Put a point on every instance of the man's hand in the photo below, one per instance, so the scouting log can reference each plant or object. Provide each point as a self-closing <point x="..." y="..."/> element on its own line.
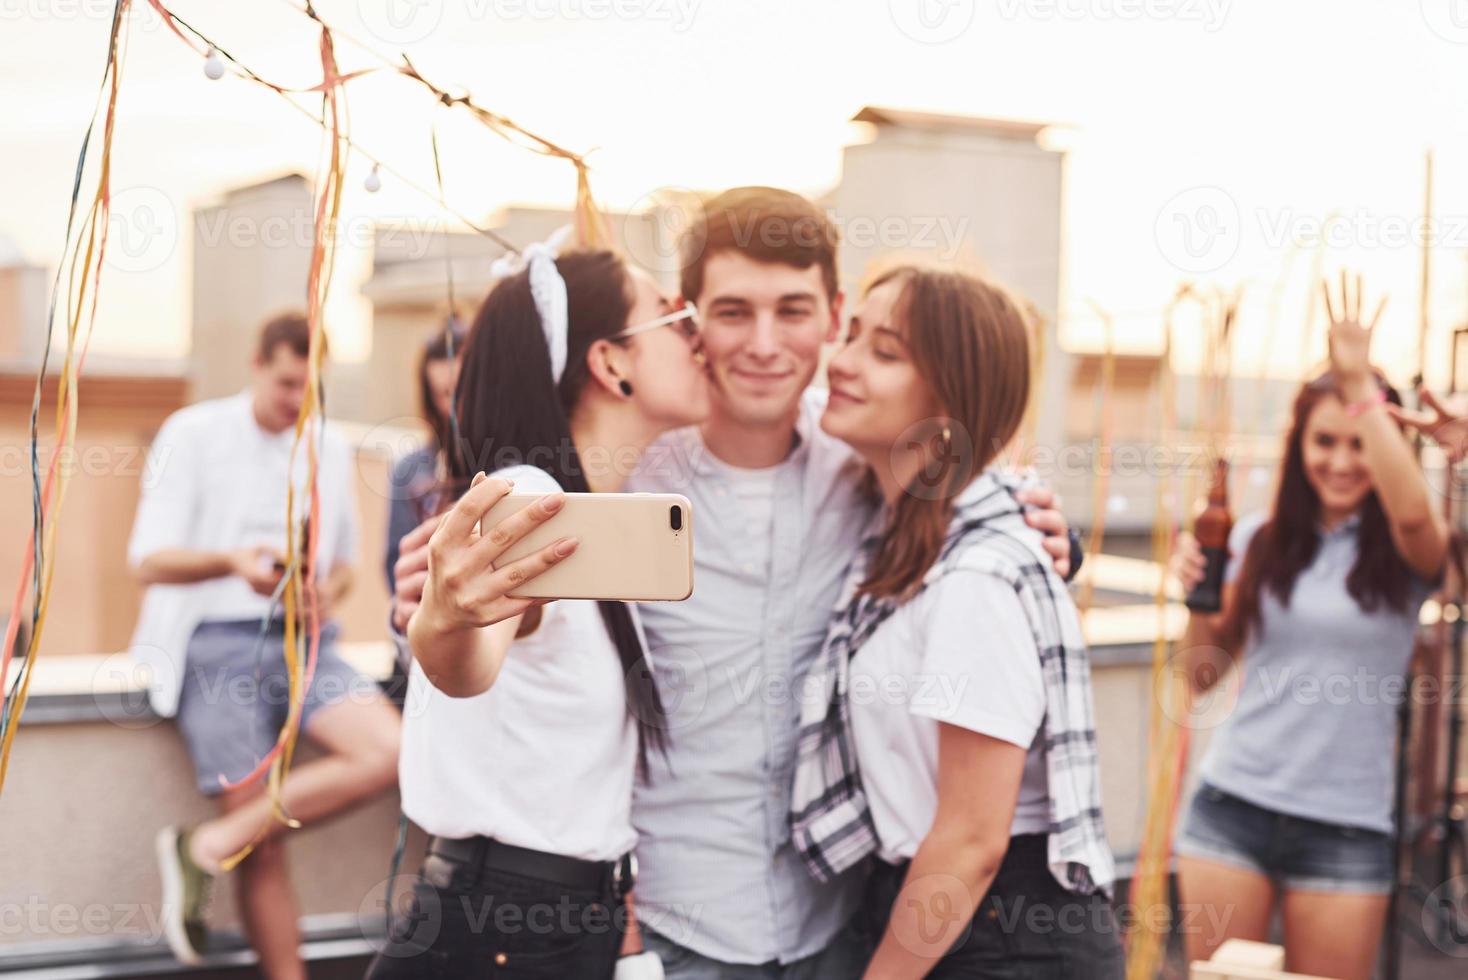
<point x="411" y="572"/>
<point x="1043" y="514"/>
<point x="259" y="567"/>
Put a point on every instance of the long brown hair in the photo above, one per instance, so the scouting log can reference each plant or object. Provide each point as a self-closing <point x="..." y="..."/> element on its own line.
<point x="969" y="340"/>
<point x="1288" y="542"/>
<point x="511" y="412"/>
<point x="445" y="345"/>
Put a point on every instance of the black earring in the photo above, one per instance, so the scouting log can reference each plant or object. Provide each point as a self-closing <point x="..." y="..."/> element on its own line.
<point x="626" y="387"/>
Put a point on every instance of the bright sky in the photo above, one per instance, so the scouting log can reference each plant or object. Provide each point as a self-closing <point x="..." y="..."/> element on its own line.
<point x="1206" y="136"/>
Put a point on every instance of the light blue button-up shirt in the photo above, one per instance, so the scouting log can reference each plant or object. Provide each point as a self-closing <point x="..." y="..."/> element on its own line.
<point x="717" y="872"/>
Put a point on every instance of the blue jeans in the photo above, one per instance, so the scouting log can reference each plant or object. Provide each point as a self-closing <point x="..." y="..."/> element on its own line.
<point x="844" y="959"/>
<point x="1297" y="853"/>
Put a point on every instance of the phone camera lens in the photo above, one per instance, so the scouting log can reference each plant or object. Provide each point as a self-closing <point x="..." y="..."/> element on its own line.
<point x="675" y="517"/>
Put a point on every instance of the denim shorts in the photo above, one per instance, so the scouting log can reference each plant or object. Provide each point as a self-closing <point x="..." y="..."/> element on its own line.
<point x="233" y="702"/>
<point x="1296" y="853"/>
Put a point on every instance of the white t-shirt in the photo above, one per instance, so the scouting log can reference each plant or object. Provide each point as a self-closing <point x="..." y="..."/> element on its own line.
<point x="753" y="492"/>
<point x="962" y="653"/>
<point x="216" y="481"/>
<point x="262" y="520"/>
<point x="546" y="757"/>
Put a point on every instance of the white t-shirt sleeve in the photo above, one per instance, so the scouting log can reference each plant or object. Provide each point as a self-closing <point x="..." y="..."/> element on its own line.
<point x="979" y="659"/>
<point x="528" y="479"/>
<point x="348" y="535"/>
<point x="169" y="496"/>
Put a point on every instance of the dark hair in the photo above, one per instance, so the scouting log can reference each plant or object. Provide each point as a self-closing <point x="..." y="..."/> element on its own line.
<point x="445" y="345"/>
<point x="511" y="411"/>
<point x="1288" y="542"/>
<point x="291" y="329"/>
<point x="765" y="224"/>
<point x="969" y="340"/>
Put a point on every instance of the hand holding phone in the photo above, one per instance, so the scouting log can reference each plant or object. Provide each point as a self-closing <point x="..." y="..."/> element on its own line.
<point x="635" y="547"/>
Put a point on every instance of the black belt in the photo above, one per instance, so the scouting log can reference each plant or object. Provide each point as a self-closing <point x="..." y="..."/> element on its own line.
<point x="616" y="876"/>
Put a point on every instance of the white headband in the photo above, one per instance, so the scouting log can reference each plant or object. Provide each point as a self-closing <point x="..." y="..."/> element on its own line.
<point x="548" y="289"/>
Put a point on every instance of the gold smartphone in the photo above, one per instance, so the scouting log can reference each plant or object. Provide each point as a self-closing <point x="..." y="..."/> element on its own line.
<point x="636" y="547"/>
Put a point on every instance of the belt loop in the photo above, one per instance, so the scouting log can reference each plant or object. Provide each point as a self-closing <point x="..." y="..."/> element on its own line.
<point x="481" y="856"/>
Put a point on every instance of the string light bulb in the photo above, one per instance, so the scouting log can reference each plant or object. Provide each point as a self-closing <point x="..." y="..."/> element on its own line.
<point x="213" y="66"/>
<point x="373" y="183"/>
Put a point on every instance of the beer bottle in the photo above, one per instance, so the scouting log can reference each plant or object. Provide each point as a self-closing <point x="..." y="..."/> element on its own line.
<point x="1212" y="529"/>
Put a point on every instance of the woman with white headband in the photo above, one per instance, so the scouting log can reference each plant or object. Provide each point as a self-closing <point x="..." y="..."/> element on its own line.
<point x="525" y="723"/>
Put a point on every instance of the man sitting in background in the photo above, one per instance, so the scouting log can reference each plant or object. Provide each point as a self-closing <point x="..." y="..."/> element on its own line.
<point x="209" y="542"/>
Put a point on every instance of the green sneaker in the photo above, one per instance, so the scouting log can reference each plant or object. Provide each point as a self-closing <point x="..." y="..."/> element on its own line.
<point x="186" y="891"/>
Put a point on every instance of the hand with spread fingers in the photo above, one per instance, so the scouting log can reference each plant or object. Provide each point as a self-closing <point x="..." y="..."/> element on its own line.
<point x="1350" y="339"/>
<point x="464" y="591"/>
<point x="1446" y="427"/>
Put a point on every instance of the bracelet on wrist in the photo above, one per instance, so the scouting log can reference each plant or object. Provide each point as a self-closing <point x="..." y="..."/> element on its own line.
<point x="1358" y="408"/>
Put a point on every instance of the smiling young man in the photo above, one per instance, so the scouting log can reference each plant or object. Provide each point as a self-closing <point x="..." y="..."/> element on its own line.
<point x="779" y="506"/>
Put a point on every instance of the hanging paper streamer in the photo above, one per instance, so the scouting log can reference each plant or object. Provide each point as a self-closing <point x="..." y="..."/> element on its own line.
<point x="84" y="267"/>
<point x="82" y="285"/>
<point x="1101" y="469"/>
<point x="1169" y="732"/>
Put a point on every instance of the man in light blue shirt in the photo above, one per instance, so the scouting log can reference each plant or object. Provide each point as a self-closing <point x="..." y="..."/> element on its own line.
<point x="779" y="506"/>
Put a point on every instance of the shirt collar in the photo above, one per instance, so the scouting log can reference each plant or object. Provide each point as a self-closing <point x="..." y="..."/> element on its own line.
<point x="702" y="461"/>
<point x="1349" y="526"/>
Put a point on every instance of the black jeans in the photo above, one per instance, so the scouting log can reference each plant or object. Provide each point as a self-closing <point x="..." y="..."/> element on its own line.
<point x="1028" y="927"/>
<point x="466" y="921"/>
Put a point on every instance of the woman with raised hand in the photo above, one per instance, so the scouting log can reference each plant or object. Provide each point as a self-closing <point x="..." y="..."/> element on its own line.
<point x="953" y="737"/>
<point x="526" y="722"/>
<point x="1321" y="603"/>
